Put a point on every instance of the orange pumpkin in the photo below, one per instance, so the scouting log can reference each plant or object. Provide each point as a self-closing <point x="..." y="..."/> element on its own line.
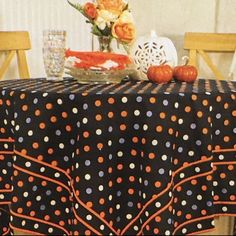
<point x="160" y="74"/>
<point x="185" y="73"/>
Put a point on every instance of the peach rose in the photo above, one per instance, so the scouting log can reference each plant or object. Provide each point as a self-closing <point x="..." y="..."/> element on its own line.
<point x="125" y="32"/>
<point x="115" y="6"/>
<point x="90" y="10"/>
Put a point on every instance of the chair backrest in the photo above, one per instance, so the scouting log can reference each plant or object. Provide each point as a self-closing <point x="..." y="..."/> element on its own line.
<point x="15" y="43"/>
<point x="202" y="43"/>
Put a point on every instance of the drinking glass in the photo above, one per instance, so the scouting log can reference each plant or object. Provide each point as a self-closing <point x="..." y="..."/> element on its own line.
<point x="54" y="43"/>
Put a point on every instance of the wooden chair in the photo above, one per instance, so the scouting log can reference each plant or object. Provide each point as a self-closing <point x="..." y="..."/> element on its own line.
<point x="11" y="43"/>
<point x="203" y="43"/>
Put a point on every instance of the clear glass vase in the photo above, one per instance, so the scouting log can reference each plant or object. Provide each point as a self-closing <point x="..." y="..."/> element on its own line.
<point x="105" y="43"/>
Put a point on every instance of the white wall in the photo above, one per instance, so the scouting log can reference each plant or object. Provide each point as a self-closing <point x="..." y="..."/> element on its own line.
<point x="170" y="18"/>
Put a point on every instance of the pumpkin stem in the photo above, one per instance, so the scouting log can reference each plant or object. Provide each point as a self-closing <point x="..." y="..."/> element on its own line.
<point x="185" y="59"/>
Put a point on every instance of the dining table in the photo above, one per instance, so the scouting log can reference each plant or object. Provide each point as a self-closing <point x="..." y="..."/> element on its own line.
<point x="127" y="158"/>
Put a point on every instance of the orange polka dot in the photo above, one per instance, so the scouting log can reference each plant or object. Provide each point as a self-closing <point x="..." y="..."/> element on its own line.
<point x="85" y="134"/>
<point x="110" y="114"/>
<point x="193" y="181"/>
<point x="42" y="125"/>
<point x="158" y="219"/>
<point x="59" y="189"/>
<point x="86" y="148"/>
<point x="62" y="223"/>
<point x="226" y="122"/>
<point x="122" y="127"/>
<point x="226" y="139"/>
<point x="98" y="103"/>
<point x="205" y="102"/>
<point x="32" y="213"/>
<point x="234" y="113"/>
<point x="173" y="118"/>
<point x="29" y="204"/>
<point x="133" y="152"/>
<point x="209" y="177"/>
<point x="230" y="167"/>
<point x="170" y="131"/>
<point x="57" y="212"/>
<point x="124" y="113"/>
<point x="222" y="175"/>
<point x="89" y="204"/>
<point x="102" y="214"/>
<point x="157" y="184"/>
<point x="162" y="115"/>
<point x="64" y="114"/>
<point x="47" y="217"/>
<point x="119" y="180"/>
<point x="54" y="163"/>
<point x="22" y="96"/>
<point x="14" y="199"/>
<point x="152" y="100"/>
<point x="203" y="212"/>
<point x="151" y="155"/>
<point x="131" y="178"/>
<point x="98" y="117"/>
<point x="100" y="159"/>
<point x="156" y="231"/>
<point x="199" y="114"/>
<point x="179" y="188"/>
<point x="218" y="98"/>
<point x="50" y="151"/>
<point x="204" y="187"/>
<point x="159" y="128"/>
<point x="188" y="216"/>
<point x="100" y="146"/>
<point x="120" y="167"/>
<point x="68" y="128"/>
<point x="20" y="184"/>
<point x="49" y="106"/>
<point x="194" y="97"/>
<point x="131" y="191"/>
<point x="179" y="213"/>
<point x="53" y="119"/>
<point x="35" y="145"/>
<point x="31" y="179"/>
<point x="24" y="108"/>
<point x="148" y="169"/>
<point x="111" y="100"/>
<point x="44" y="183"/>
<point x="204" y="130"/>
<point x="20" y="210"/>
<point x="101" y="201"/>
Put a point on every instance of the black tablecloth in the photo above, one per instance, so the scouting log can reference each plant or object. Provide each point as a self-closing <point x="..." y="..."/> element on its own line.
<point x="122" y="159"/>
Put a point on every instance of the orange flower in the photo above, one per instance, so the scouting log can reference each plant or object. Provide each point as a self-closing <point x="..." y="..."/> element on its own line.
<point x="90" y="10"/>
<point x="125" y="32"/>
<point x="114" y="6"/>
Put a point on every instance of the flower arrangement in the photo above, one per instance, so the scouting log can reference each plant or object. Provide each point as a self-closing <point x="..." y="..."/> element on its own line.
<point x="110" y="18"/>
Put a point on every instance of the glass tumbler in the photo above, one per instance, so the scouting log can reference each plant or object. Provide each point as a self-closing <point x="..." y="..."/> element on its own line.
<point x="54" y="44"/>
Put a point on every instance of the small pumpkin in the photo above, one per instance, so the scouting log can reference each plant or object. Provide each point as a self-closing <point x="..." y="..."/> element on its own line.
<point x="185" y="72"/>
<point x="160" y="73"/>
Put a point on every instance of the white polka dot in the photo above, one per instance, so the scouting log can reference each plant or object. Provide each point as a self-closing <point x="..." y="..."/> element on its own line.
<point x="124" y="100"/>
<point x="61" y="145"/>
<point x="110" y="197"/>
<point x="75" y="110"/>
<point x="164" y="157"/>
<point x="42" y="169"/>
<point x="158" y="204"/>
<point x="154" y="142"/>
<point x="117" y="206"/>
<point x="100" y="188"/>
<point x="4" y="171"/>
<point x="221" y="157"/>
<point x="23" y="222"/>
<point x="38" y="198"/>
<point x="181" y="175"/>
<point x="136" y="228"/>
<point x="197" y="169"/>
<point x="53" y="202"/>
<point x="144" y="195"/>
<point x="50" y="230"/>
<point x="167" y="232"/>
<point x="76" y="205"/>
<point x="28" y="164"/>
<point x="231" y="183"/>
<point x="25" y="194"/>
<point x="85" y="121"/>
<point x="185" y="137"/>
<point x="36" y="226"/>
<point x="224" y="209"/>
<point x="17" y="127"/>
<point x="180" y="121"/>
<point x="46" y="139"/>
<point x="183" y="203"/>
<point x="98" y="132"/>
<point x="199" y="197"/>
<point x="1" y="196"/>
<point x="146" y="213"/>
<point x="30" y="133"/>
<point x="57" y="175"/>
<point x="191" y="153"/>
<point x="59" y="101"/>
<point x="45" y="95"/>
<point x="184" y="231"/>
<point x="87" y="176"/>
<point x="102" y="227"/>
<point x="199" y="226"/>
<point x="145" y="127"/>
<point x="129" y="216"/>
<point x="89" y="217"/>
<point x="136" y="112"/>
<point x="131" y="166"/>
<point x="120" y="154"/>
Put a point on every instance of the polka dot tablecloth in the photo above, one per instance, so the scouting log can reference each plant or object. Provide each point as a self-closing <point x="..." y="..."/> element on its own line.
<point x="133" y="158"/>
